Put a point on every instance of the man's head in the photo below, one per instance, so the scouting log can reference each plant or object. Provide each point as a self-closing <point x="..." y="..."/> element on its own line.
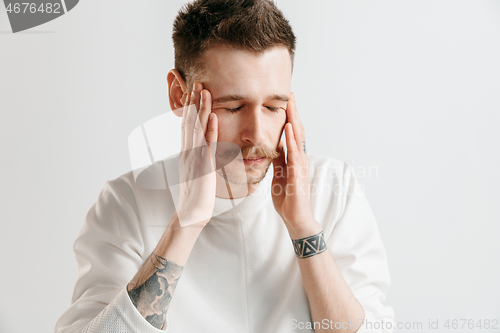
<point x="252" y="25"/>
<point x="242" y="52"/>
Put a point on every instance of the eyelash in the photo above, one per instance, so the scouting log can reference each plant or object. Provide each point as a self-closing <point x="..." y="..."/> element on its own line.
<point x="238" y="108"/>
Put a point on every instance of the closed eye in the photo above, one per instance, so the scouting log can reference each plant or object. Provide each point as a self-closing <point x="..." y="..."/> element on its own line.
<point x="273" y="108"/>
<point x="234" y="110"/>
<point x="270" y="108"/>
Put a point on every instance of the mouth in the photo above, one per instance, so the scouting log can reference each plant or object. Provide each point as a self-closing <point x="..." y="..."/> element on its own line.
<point x="252" y="160"/>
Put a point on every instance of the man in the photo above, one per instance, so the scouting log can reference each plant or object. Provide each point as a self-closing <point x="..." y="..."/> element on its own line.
<point x="245" y="246"/>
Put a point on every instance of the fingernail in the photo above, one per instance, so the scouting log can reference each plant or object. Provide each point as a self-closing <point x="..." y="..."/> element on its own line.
<point x="211" y="116"/>
<point x="194" y="86"/>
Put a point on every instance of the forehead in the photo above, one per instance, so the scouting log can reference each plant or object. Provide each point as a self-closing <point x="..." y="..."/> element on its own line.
<point x="236" y="71"/>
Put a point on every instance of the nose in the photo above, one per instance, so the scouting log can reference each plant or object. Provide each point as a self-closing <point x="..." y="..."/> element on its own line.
<point x="253" y="127"/>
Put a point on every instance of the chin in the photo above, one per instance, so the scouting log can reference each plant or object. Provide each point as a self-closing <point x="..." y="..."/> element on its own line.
<point x="250" y="175"/>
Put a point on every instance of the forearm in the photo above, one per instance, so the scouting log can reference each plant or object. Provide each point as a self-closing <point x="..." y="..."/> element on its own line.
<point x="330" y="297"/>
<point x="152" y="287"/>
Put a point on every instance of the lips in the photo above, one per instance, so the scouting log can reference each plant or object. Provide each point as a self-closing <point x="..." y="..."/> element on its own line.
<point x="252" y="160"/>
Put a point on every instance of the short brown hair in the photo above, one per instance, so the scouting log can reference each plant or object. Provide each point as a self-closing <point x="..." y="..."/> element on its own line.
<point x="253" y="25"/>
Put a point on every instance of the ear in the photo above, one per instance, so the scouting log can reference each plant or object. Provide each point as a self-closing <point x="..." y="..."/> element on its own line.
<point x="177" y="91"/>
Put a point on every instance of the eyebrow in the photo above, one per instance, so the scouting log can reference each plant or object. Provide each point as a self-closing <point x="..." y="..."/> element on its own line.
<point x="232" y="98"/>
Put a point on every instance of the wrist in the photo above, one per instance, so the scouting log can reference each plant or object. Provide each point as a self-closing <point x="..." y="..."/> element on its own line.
<point x="309" y="246"/>
<point x="177" y="242"/>
<point x="192" y="228"/>
<point x="304" y="229"/>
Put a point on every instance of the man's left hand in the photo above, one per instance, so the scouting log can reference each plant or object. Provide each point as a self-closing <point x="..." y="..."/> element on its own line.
<point x="290" y="186"/>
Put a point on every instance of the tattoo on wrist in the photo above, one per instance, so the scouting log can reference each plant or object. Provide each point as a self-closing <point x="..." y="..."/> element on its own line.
<point x="152" y="296"/>
<point x="309" y="246"/>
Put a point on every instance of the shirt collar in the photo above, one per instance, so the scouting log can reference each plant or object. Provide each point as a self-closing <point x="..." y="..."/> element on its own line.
<point x="232" y="206"/>
<point x="154" y="174"/>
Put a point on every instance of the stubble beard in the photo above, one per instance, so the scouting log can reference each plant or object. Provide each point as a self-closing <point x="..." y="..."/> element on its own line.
<point x="253" y="175"/>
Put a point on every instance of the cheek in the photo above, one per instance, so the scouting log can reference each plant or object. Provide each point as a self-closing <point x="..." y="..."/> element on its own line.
<point x="280" y="121"/>
<point x="227" y="125"/>
<point x="222" y="117"/>
<point x="276" y="124"/>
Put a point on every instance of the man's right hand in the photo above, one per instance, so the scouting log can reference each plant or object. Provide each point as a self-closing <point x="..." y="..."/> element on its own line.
<point x="148" y="291"/>
<point x="197" y="177"/>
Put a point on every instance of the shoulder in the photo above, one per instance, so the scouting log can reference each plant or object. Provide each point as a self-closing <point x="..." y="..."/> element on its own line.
<point x="122" y="186"/>
<point x="145" y="190"/>
<point x="331" y="181"/>
<point x="136" y="182"/>
<point x="327" y="169"/>
<point x="317" y="160"/>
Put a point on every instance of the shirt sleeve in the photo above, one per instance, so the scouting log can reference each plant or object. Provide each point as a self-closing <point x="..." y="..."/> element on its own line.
<point x="357" y="248"/>
<point x="107" y="251"/>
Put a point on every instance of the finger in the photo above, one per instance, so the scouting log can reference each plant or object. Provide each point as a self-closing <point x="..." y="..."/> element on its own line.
<point x="212" y="129"/>
<point x="293" y="155"/>
<point x="295" y="113"/>
<point x="279" y="165"/>
<point x="298" y="128"/>
<point x="212" y="136"/>
<point x="203" y="114"/>
<point x="185" y="110"/>
<point x="198" y="130"/>
<point x="192" y="115"/>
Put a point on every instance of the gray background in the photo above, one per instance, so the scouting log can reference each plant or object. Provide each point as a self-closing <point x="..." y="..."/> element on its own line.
<point x="408" y="88"/>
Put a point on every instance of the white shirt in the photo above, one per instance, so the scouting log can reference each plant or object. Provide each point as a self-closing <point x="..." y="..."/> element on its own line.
<point x="242" y="274"/>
